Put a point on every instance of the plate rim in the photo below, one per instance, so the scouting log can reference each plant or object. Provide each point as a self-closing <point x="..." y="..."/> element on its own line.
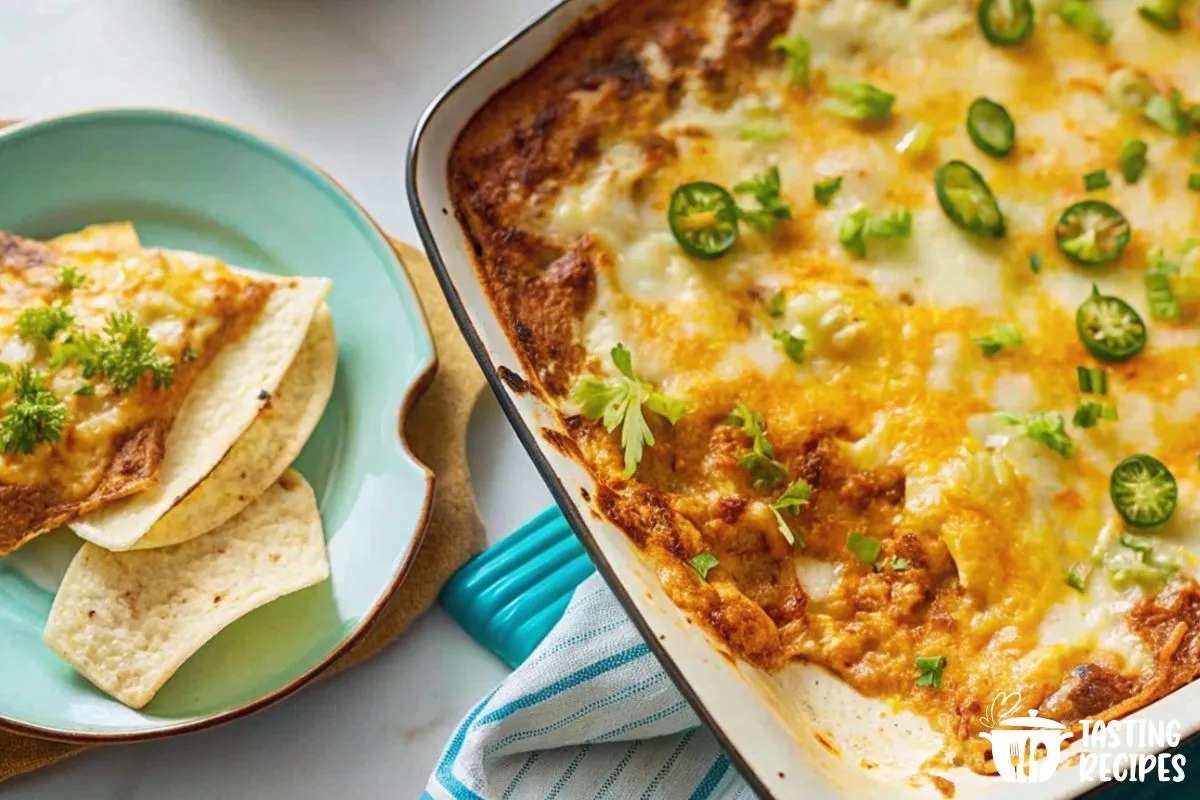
<point x="427" y="371"/>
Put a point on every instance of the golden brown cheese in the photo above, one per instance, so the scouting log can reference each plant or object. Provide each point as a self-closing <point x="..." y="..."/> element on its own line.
<point x="562" y="183"/>
<point x="112" y="442"/>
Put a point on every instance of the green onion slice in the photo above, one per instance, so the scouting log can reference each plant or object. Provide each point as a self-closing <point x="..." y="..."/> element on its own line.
<point x="1092" y="380"/>
<point x="1194" y="182"/>
<point x="1109" y="328"/>
<point x="703" y="219"/>
<point x="1006" y="22"/>
<point x="991" y="127"/>
<point x="1132" y="159"/>
<point x="1081" y="15"/>
<point x="1162" y="13"/>
<point x="1160" y="296"/>
<point x="1144" y="491"/>
<point x="1095" y="180"/>
<point x="1092" y="233"/>
<point x="967" y="200"/>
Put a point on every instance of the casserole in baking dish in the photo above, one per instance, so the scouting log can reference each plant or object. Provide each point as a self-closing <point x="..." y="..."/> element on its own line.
<point x="874" y="330"/>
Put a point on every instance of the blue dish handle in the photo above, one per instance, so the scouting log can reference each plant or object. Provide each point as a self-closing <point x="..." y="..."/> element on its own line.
<point x="510" y="596"/>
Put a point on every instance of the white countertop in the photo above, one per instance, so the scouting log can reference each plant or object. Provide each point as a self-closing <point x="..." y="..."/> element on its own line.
<point x="342" y="81"/>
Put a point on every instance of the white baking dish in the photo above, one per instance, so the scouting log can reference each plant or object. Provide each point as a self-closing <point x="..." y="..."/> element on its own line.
<point x="798" y="733"/>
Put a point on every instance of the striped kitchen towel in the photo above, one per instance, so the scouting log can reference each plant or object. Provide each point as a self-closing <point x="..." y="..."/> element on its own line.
<point x="592" y="714"/>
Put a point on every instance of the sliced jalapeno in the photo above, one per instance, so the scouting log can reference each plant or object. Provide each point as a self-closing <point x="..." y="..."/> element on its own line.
<point x="1109" y="328"/>
<point x="1006" y="22"/>
<point x="704" y="219"/>
<point x="991" y="127"/>
<point x="1144" y="491"/>
<point x="1092" y="233"/>
<point x="967" y="200"/>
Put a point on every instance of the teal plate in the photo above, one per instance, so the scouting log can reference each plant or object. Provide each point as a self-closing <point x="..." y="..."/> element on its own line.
<point x="196" y="184"/>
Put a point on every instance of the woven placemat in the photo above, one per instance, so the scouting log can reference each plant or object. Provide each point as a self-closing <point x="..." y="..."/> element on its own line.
<point x="436" y="431"/>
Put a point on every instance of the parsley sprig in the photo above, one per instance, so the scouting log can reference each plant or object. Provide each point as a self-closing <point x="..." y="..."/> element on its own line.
<point x="42" y="323"/>
<point x="619" y="402"/>
<point x="930" y="668"/>
<point x="759" y="461"/>
<point x="122" y="354"/>
<point x="34" y="415"/>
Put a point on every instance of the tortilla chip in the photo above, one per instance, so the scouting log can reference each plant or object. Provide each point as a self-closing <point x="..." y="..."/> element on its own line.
<point x="128" y="621"/>
<point x="112" y="237"/>
<point x="224" y="402"/>
<point x="264" y="451"/>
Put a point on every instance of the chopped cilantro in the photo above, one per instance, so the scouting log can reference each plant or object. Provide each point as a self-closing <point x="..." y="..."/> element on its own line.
<point x="931" y="671"/>
<point x="900" y="564"/>
<point x="865" y="548"/>
<point x="619" y="402"/>
<point x="792" y="345"/>
<point x="792" y="500"/>
<point x="824" y="191"/>
<point x="1045" y="427"/>
<point x="773" y="211"/>
<point x="703" y="563"/>
<point x="759" y="461"/>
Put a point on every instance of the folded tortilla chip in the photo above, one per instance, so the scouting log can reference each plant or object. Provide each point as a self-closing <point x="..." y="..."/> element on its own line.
<point x="265" y="450"/>
<point x="225" y="400"/>
<point x="128" y="621"/>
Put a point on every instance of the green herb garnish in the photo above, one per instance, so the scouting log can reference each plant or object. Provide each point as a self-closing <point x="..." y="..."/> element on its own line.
<point x="1081" y="16"/>
<point x="1035" y="264"/>
<point x="1166" y="111"/>
<point x="43" y="323"/>
<point x="1092" y="380"/>
<point x="900" y="564"/>
<point x="759" y="461"/>
<point x="1095" y="180"/>
<point x="857" y="100"/>
<point x="861" y="225"/>
<point x="1162" y="13"/>
<point x="772" y="211"/>
<point x="763" y="133"/>
<point x="793" y="346"/>
<point x="1045" y="427"/>
<point x="865" y="548"/>
<point x="796" y="497"/>
<point x="70" y="278"/>
<point x="931" y="671"/>
<point x="619" y="402"/>
<point x="1160" y="294"/>
<point x="799" y="58"/>
<point x="35" y="415"/>
<point x="824" y="191"/>
<point x="1132" y="159"/>
<point x="703" y="563"/>
<point x="1001" y="336"/>
<point x="122" y="354"/>
<point x="1090" y="413"/>
<point x="775" y="305"/>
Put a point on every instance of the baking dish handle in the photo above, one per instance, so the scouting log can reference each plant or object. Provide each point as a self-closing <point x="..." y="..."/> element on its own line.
<point x="510" y="596"/>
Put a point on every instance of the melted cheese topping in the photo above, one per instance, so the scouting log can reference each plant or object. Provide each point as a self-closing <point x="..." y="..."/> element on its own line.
<point x="889" y="336"/>
<point x="184" y="307"/>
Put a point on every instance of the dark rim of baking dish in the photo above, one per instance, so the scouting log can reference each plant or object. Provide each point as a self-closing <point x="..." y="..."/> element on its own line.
<point x="562" y="497"/>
